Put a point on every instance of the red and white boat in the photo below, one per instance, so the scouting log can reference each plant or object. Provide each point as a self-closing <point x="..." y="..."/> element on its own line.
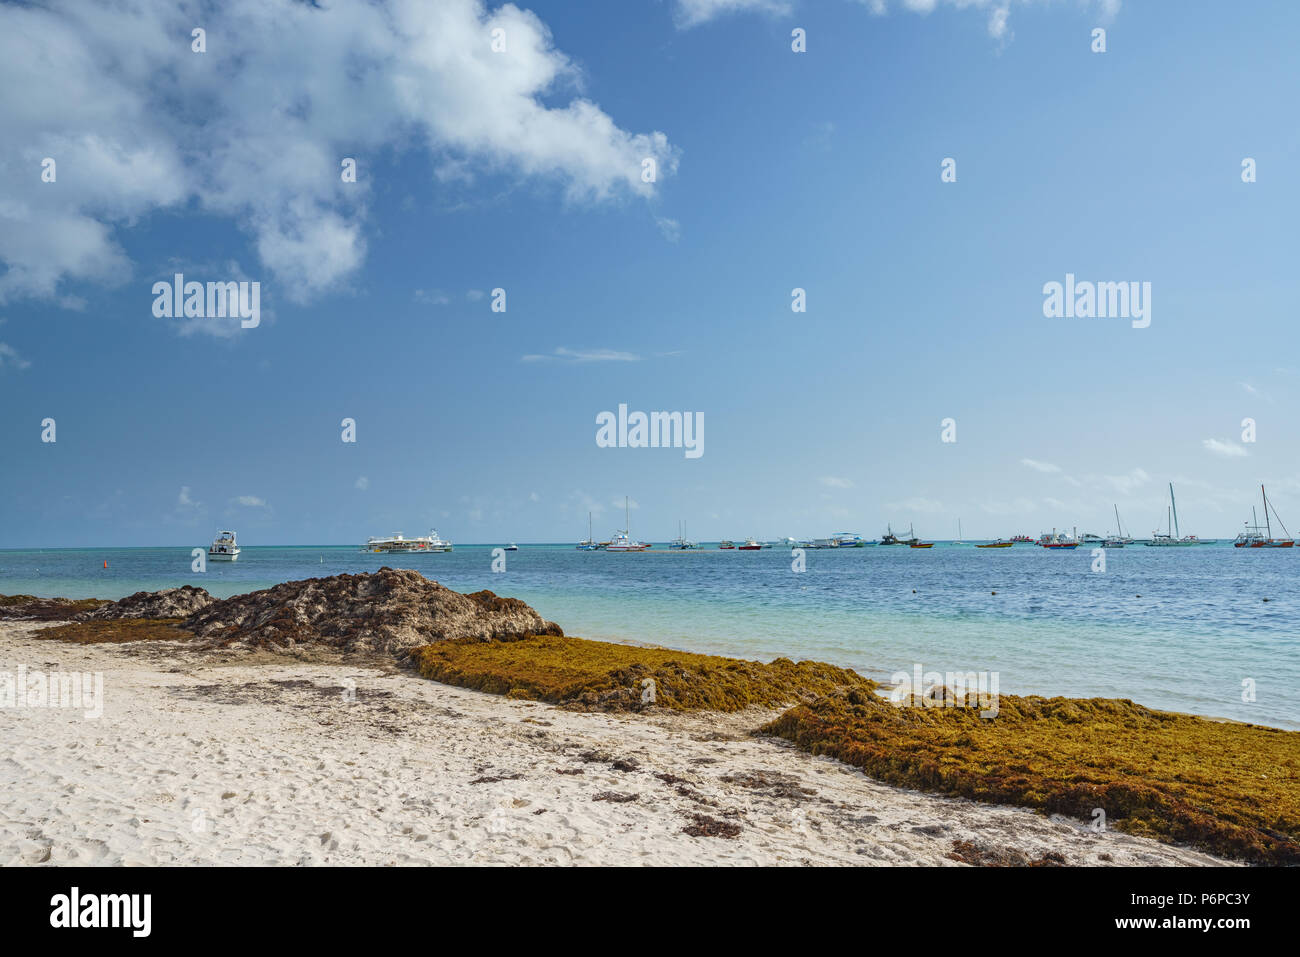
<point x="750" y="545"/>
<point x="1251" y="538"/>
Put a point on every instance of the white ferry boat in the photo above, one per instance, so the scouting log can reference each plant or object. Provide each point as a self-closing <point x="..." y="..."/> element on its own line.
<point x="223" y="548"/>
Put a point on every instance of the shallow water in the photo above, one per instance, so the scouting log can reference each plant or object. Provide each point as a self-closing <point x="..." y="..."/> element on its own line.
<point x="1199" y="629"/>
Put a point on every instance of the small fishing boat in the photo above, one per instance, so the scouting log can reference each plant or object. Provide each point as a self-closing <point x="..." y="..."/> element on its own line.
<point x="921" y="544"/>
<point x="751" y="545"/>
<point x="725" y="544"/>
<point x="223" y="548"/>
<point x="998" y="544"/>
<point x="512" y="547"/>
<point x="847" y="540"/>
<point x="889" y="538"/>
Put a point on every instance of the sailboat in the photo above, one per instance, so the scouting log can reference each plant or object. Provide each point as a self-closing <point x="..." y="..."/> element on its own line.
<point x="1117" y="540"/>
<point x="681" y="542"/>
<point x="959" y="541"/>
<point x="1252" y="538"/>
<point x="588" y="544"/>
<point x="623" y="542"/>
<point x="1171" y="537"/>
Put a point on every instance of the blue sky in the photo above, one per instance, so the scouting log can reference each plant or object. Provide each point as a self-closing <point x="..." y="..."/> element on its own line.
<point x="521" y="170"/>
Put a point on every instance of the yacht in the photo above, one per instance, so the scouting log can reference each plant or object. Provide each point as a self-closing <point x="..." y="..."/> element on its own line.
<point x="751" y="545"/>
<point x="847" y="540"/>
<point x="512" y="547"/>
<point x="397" y="543"/>
<point x="223" y="548"/>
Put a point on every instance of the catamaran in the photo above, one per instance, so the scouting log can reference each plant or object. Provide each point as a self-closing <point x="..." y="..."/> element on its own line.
<point x="223" y="548"/>
<point x="848" y="540"/>
<point x="623" y="541"/>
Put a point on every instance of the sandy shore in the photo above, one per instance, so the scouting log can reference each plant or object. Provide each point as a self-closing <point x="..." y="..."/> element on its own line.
<point x="261" y="760"/>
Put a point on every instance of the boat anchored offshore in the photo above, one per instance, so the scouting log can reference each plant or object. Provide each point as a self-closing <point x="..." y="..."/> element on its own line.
<point x="1056" y="541"/>
<point x="1252" y="539"/>
<point x="1171" y="537"/>
<point x="588" y="544"/>
<point x="751" y="545"/>
<point x="681" y="543"/>
<point x="623" y="541"/>
<point x="223" y="548"/>
<point x="396" y="543"/>
<point x="889" y="538"/>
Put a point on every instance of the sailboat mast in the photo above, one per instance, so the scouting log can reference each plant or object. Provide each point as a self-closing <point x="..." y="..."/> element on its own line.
<point x="1264" y="496"/>
<point x="1173" y="504"/>
<point x="1119" y="531"/>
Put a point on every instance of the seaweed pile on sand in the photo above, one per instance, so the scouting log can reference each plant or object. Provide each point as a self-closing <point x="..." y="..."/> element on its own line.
<point x="31" y="608"/>
<point x="1228" y="788"/>
<point x="391" y="611"/>
<point x="600" y="676"/>
<point x="386" y="612"/>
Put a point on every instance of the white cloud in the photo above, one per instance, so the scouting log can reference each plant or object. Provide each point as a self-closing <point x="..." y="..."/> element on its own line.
<point x="584" y="355"/>
<point x="1040" y="466"/>
<point x="251" y="501"/>
<point x="692" y="13"/>
<point x="534" y="497"/>
<point x="9" y="358"/>
<point x="832" y="481"/>
<point x="1129" y="482"/>
<point x="431" y="297"/>
<point x="1230" y="450"/>
<point x="363" y="483"/>
<point x="917" y="504"/>
<point x="184" y="500"/>
<point x="255" y="128"/>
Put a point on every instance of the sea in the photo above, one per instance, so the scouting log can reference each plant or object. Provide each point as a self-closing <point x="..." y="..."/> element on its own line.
<point x="1209" y="629"/>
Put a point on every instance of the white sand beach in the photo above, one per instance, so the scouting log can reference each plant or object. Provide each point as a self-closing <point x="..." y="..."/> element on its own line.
<point x="199" y="759"/>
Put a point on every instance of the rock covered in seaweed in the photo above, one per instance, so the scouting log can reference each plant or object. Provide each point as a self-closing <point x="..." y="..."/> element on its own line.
<point x="390" y="611"/>
<point x="168" y="603"/>
<point x="31" y="608"/>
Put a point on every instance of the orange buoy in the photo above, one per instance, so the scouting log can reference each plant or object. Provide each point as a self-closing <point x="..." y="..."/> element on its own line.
<point x="105" y="562"/>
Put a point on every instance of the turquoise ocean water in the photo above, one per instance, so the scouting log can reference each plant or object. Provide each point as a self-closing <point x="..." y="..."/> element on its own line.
<point x="1198" y="630"/>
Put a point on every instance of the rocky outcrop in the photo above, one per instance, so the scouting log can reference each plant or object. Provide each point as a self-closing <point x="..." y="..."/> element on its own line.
<point x="390" y="611"/>
<point x="169" y="603"/>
